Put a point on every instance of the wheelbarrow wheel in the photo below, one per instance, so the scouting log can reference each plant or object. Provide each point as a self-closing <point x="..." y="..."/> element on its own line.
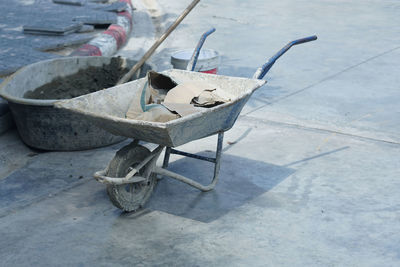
<point x="130" y="197"/>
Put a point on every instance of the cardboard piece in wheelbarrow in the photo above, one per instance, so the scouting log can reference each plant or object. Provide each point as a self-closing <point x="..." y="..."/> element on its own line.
<point x="164" y="99"/>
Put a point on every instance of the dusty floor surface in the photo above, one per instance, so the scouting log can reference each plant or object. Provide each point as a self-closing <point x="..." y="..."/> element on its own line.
<point x="18" y="49"/>
<point x="310" y="171"/>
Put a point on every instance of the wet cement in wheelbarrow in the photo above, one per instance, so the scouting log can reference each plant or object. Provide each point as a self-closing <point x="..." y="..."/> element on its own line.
<point x="83" y="82"/>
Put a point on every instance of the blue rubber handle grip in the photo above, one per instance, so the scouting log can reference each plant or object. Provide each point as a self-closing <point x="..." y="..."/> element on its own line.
<point x="192" y="63"/>
<point x="267" y="66"/>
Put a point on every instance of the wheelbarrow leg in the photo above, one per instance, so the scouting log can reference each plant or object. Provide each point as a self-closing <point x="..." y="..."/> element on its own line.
<point x="218" y="154"/>
<point x="216" y="161"/>
<point x="166" y="157"/>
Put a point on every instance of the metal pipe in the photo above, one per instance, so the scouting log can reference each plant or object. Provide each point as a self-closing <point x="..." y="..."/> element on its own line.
<point x="218" y="155"/>
<point x="190" y="155"/>
<point x="193" y="60"/>
<point x="130" y="177"/>
<point x="155" y="152"/>
<point x="182" y="178"/>
<point x="191" y="182"/>
<point x="101" y="177"/>
<point x="260" y="73"/>
<point x="166" y="157"/>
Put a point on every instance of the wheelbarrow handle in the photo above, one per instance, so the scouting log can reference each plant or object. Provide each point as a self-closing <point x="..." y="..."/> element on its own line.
<point x="260" y="73"/>
<point x="304" y="40"/>
<point x="193" y="60"/>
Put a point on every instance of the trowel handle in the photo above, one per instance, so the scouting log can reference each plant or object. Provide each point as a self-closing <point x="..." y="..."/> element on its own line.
<point x="260" y="73"/>
<point x="193" y="60"/>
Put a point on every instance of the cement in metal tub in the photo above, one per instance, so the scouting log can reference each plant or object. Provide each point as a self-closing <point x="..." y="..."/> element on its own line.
<point x="42" y="126"/>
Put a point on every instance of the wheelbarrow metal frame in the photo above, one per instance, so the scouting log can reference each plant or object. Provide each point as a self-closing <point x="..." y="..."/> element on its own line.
<point x="140" y="174"/>
<point x="152" y="158"/>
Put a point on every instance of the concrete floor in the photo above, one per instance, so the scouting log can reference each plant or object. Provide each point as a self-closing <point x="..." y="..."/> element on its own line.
<point x="309" y="173"/>
<point x="18" y="49"/>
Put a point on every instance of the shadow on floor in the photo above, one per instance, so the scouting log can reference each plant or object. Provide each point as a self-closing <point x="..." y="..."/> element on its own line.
<point x="240" y="181"/>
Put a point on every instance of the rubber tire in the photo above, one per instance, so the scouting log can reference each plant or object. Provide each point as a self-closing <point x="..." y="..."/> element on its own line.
<point x="126" y="157"/>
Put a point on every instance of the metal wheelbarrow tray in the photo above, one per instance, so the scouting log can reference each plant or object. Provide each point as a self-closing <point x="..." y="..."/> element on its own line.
<point x="107" y="109"/>
<point x="132" y="173"/>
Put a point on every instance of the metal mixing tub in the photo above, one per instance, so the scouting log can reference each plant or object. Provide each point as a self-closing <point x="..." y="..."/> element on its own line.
<point x="42" y="126"/>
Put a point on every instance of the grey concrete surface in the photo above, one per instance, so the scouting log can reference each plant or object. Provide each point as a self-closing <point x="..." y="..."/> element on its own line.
<point x="309" y="173"/>
<point x="344" y="80"/>
<point x="18" y="49"/>
<point x="303" y="197"/>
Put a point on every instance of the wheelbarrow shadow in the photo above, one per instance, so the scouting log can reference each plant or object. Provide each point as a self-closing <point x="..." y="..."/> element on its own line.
<point x="240" y="181"/>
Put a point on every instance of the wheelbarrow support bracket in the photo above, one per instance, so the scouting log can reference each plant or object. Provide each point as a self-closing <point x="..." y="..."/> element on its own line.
<point x="132" y="176"/>
<point x="216" y="161"/>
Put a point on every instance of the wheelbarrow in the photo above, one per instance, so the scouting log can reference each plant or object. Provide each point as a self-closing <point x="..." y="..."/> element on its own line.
<point x="132" y="174"/>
